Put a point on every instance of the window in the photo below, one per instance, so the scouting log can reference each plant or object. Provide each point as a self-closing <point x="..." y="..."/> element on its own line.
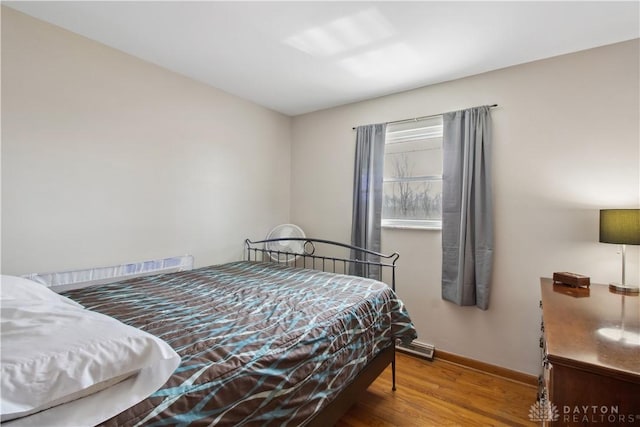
<point x="412" y="185"/>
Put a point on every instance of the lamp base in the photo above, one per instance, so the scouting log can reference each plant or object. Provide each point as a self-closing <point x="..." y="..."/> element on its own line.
<point x="619" y="288"/>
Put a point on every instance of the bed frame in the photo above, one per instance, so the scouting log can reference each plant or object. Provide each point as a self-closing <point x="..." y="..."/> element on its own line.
<point x="371" y="264"/>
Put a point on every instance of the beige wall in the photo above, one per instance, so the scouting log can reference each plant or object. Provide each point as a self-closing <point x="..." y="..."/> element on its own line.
<point x="108" y="159"/>
<point x="566" y="143"/>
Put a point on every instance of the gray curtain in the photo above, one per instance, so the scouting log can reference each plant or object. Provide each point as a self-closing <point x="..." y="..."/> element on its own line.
<point x="367" y="196"/>
<point x="467" y="213"/>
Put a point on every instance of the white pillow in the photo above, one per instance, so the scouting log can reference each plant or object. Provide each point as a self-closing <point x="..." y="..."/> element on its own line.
<point x="55" y="350"/>
<point x="19" y="288"/>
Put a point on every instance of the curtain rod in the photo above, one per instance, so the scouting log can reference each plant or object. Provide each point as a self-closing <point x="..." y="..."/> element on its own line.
<point x="415" y="119"/>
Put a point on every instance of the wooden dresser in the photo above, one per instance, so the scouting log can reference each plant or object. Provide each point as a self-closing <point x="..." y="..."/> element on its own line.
<point x="592" y="376"/>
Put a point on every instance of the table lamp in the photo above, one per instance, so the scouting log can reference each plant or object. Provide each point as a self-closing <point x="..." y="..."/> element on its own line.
<point x="621" y="226"/>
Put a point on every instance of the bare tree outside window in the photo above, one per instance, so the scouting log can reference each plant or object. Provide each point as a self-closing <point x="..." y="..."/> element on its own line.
<point x="406" y="199"/>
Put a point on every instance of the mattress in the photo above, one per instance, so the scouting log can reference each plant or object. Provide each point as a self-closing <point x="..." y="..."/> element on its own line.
<point x="260" y="343"/>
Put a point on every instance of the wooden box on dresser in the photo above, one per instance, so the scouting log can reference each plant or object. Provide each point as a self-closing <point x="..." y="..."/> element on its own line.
<point x="591" y="355"/>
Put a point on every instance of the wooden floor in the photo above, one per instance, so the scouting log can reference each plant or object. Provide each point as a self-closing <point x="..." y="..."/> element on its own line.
<point x="441" y="393"/>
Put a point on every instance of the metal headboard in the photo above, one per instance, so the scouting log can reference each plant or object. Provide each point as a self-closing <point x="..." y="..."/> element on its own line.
<point x="368" y="263"/>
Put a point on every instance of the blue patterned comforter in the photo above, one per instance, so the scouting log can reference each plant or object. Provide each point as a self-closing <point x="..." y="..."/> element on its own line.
<point x="261" y="344"/>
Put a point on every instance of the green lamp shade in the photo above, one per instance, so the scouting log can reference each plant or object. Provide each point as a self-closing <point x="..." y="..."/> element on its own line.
<point x="621" y="226"/>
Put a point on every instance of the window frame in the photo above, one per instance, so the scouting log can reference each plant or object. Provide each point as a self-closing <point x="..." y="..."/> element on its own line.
<point x="413" y="224"/>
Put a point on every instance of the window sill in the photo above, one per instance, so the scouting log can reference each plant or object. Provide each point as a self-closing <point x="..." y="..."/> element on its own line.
<point x="412" y="224"/>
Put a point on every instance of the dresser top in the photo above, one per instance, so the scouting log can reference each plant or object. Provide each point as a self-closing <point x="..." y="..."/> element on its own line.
<point x="592" y="328"/>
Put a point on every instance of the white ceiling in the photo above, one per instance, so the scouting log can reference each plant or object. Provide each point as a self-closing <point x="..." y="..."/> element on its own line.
<point x="298" y="57"/>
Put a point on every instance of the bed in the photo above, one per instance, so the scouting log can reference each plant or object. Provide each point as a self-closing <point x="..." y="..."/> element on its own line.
<point x="276" y="339"/>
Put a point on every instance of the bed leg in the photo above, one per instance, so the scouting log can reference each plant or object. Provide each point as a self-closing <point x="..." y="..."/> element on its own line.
<point x="393" y="371"/>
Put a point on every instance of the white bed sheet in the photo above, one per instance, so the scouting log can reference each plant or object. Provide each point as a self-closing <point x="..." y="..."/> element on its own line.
<point x="99" y="407"/>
